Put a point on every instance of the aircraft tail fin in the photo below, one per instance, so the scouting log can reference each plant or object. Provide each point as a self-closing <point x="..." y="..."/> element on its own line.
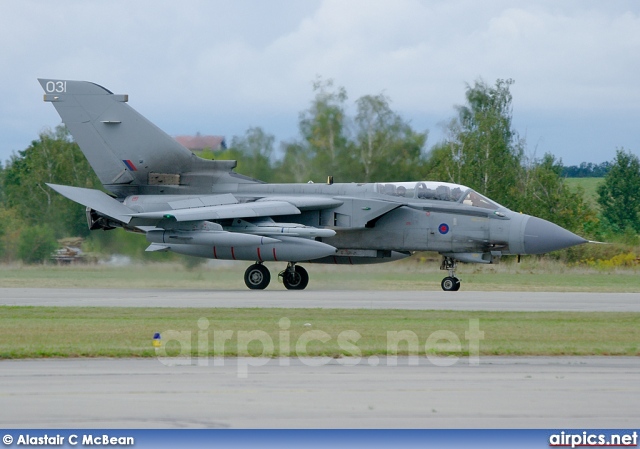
<point x="124" y="148"/>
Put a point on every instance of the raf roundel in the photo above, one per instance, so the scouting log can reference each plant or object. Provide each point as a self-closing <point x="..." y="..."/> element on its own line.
<point x="443" y="228"/>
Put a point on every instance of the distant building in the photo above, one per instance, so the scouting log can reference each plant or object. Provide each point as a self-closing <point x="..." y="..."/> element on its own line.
<point x="198" y="142"/>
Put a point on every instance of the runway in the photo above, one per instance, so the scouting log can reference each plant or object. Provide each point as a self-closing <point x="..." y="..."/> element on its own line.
<point x="339" y="299"/>
<point x="563" y="392"/>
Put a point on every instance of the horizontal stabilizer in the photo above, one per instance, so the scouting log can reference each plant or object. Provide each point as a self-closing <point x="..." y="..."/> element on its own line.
<point x="97" y="200"/>
<point x="243" y="210"/>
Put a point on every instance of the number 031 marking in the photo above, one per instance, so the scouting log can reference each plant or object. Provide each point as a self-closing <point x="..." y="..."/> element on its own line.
<point x="56" y="87"/>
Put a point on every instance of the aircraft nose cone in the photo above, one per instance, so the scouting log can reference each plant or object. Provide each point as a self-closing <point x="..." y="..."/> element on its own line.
<point x="542" y="236"/>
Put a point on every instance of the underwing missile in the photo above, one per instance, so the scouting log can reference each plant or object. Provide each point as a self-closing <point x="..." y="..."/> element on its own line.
<point x="210" y="238"/>
<point x="293" y="231"/>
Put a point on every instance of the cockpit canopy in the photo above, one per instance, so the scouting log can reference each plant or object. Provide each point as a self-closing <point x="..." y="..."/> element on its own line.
<point x="436" y="191"/>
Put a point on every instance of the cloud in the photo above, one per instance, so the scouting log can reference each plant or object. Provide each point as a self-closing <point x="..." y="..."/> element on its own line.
<point x="220" y="67"/>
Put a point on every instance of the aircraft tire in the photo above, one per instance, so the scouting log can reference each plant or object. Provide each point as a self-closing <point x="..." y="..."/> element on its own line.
<point x="257" y="277"/>
<point x="450" y="284"/>
<point x="297" y="280"/>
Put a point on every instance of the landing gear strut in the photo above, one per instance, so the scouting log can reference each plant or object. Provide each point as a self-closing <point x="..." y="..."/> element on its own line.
<point x="257" y="277"/>
<point x="451" y="283"/>
<point x="294" y="277"/>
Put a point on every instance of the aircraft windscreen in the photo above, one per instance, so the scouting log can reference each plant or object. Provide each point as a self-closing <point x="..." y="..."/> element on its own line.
<point x="423" y="190"/>
<point x="436" y="191"/>
<point x="475" y="199"/>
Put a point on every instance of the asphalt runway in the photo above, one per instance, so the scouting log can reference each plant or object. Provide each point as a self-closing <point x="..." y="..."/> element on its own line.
<point x="340" y="299"/>
<point x="562" y="392"/>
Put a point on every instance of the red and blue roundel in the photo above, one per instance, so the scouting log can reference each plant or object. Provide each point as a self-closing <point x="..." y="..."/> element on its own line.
<point x="443" y="228"/>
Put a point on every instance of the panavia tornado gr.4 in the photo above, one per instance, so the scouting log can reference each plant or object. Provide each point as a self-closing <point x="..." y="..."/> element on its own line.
<point x="189" y="205"/>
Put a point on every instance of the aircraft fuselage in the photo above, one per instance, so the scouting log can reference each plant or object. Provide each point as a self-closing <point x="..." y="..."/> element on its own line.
<point x="189" y="205"/>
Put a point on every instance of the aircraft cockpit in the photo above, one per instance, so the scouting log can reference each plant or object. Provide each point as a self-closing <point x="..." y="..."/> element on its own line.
<point x="436" y="191"/>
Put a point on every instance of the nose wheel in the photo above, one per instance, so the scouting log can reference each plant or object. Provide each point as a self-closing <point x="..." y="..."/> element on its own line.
<point x="451" y="283"/>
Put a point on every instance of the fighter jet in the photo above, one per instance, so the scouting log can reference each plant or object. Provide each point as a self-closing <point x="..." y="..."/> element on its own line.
<point x="189" y="205"/>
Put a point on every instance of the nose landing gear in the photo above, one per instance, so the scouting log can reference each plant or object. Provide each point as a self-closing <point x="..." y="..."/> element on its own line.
<point x="451" y="283"/>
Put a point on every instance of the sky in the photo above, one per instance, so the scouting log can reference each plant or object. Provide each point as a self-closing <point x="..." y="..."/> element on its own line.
<point x="221" y="67"/>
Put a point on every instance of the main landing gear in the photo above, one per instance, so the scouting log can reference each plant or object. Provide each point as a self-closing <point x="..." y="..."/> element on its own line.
<point x="294" y="277"/>
<point x="451" y="283"/>
<point x="257" y="277"/>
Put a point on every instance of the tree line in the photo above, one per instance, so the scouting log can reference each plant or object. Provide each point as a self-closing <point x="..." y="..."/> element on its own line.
<point x="587" y="170"/>
<point x="481" y="150"/>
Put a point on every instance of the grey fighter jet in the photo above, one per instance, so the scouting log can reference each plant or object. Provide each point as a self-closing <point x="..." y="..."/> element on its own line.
<point x="189" y="205"/>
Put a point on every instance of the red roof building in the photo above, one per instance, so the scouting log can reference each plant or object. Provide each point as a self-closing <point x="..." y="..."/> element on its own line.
<point x="198" y="142"/>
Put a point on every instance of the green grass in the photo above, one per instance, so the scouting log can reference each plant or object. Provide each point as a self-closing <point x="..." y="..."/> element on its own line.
<point x="114" y="332"/>
<point x="35" y="332"/>
<point x="590" y="186"/>
<point x="531" y="275"/>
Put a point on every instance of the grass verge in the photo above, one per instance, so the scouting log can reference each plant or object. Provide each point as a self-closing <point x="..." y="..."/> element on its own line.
<point x="35" y="332"/>
<point x="531" y="275"/>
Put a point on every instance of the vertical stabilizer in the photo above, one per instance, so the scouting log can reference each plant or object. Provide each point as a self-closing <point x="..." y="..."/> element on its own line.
<point x="123" y="147"/>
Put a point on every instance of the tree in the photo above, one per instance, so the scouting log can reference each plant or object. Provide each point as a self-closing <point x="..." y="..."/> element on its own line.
<point x="324" y="131"/>
<point x="36" y="244"/>
<point x="586" y="170"/>
<point x="254" y="151"/>
<point x="387" y="147"/>
<point x="296" y="163"/>
<point x="544" y="193"/>
<point x="53" y="158"/>
<point x="382" y="146"/>
<point x="619" y="194"/>
<point x="482" y="151"/>
<point x="10" y="228"/>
